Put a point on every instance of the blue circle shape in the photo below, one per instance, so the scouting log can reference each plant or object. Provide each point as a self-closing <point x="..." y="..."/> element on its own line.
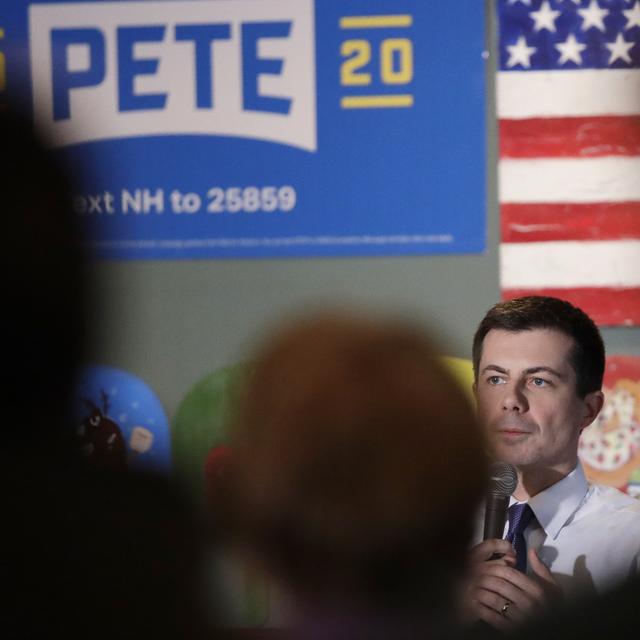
<point x="135" y="429"/>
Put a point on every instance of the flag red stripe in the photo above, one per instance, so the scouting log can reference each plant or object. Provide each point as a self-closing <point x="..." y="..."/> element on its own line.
<point x="570" y="137"/>
<point x="592" y="221"/>
<point x="621" y="367"/>
<point x="607" y="306"/>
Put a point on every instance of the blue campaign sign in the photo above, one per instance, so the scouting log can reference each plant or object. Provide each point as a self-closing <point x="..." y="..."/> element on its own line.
<point x="257" y="128"/>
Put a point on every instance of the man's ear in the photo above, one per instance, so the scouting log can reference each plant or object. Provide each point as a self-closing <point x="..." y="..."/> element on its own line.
<point x="592" y="404"/>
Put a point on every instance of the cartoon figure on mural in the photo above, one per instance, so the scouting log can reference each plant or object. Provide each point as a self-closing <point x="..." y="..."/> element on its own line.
<point x="610" y="447"/>
<point x="101" y="440"/>
<point x="119" y="422"/>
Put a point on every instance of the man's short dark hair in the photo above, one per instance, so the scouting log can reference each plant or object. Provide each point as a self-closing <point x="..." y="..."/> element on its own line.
<point x="544" y="312"/>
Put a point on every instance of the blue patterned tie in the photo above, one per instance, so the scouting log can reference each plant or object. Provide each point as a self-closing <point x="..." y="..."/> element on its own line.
<point x="520" y="516"/>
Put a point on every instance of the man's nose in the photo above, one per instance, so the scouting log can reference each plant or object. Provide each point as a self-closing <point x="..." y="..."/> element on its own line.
<point x="514" y="399"/>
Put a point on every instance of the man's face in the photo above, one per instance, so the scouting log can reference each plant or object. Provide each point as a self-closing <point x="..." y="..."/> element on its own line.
<point x="527" y="401"/>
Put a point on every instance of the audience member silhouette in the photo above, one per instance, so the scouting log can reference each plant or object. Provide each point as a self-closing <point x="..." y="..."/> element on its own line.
<point x="356" y="471"/>
<point x="83" y="554"/>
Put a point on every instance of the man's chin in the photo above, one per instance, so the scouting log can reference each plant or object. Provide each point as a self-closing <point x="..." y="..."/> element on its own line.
<point x="512" y="456"/>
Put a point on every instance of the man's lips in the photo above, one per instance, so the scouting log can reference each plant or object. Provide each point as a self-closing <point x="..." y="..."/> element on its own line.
<point x="513" y="427"/>
<point x="513" y="430"/>
<point x="512" y="433"/>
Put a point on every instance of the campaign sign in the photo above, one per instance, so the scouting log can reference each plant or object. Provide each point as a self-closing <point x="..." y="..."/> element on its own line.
<point x="257" y="128"/>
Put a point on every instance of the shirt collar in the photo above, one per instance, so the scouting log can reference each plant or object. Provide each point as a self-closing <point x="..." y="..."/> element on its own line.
<point x="555" y="506"/>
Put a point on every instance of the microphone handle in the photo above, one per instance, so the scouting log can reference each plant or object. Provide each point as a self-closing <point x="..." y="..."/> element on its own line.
<point x="495" y="516"/>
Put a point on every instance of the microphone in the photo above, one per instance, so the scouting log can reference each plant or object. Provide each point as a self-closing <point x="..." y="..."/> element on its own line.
<point x="502" y="483"/>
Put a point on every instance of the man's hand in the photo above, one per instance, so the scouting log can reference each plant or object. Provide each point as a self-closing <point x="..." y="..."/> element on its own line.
<point x="553" y="592"/>
<point x="498" y="593"/>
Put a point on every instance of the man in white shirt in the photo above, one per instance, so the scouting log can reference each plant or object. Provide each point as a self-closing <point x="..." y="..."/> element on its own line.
<point x="538" y="364"/>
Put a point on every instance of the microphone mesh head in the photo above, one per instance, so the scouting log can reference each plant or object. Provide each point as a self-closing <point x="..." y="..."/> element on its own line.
<point x="502" y="479"/>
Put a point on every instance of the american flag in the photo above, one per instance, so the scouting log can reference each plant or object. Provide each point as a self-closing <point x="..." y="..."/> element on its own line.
<point x="568" y="102"/>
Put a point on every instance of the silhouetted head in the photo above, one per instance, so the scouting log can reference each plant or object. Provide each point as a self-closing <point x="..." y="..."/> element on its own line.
<point x="357" y="464"/>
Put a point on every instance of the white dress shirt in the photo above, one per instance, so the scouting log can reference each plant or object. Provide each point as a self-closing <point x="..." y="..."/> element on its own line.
<point x="588" y="535"/>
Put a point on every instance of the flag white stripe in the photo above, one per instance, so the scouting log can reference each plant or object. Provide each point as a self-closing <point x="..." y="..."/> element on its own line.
<point x="579" y="92"/>
<point x="570" y="264"/>
<point x="610" y="178"/>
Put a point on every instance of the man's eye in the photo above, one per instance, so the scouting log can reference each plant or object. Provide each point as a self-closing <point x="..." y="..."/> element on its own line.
<point x="495" y="380"/>
<point x="539" y="382"/>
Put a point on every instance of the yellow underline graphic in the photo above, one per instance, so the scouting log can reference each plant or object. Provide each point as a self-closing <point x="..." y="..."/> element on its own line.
<point x="375" y="22"/>
<point x="376" y="102"/>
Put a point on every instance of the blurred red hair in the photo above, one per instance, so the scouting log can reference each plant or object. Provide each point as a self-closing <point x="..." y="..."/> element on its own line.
<point x="357" y="461"/>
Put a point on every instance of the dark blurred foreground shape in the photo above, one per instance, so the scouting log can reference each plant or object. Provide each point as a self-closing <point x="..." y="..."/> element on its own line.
<point x="356" y="470"/>
<point x="44" y="291"/>
<point x="83" y="554"/>
<point x="98" y="555"/>
<point x="614" y="615"/>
